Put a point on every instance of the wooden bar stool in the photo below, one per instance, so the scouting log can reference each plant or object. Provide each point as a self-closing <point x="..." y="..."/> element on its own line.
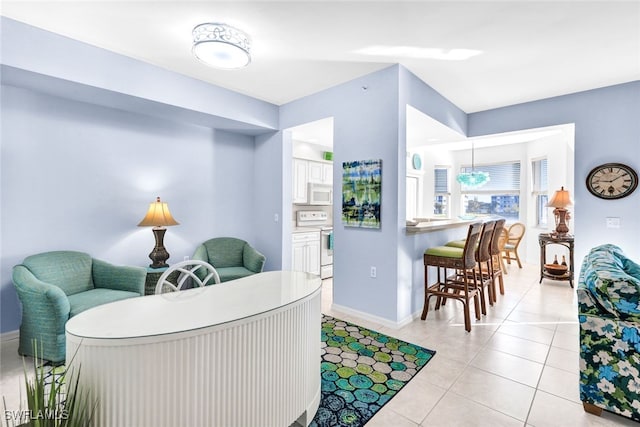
<point x="484" y="268"/>
<point x="497" y="244"/>
<point x="484" y="271"/>
<point x="461" y="287"/>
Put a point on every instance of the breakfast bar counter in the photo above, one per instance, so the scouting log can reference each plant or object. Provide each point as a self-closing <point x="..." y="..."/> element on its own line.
<point x="435" y="224"/>
<point x="241" y="353"/>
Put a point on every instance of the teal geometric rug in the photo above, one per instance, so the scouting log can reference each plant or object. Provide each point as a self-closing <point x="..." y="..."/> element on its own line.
<point x="361" y="371"/>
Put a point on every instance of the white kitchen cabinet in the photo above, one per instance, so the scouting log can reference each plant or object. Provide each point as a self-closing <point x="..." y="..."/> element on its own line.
<point x="309" y="171"/>
<point x="316" y="173"/>
<point x="306" y="252"/>
<point x="300" y="180"/>
<point x="327" y="173"/>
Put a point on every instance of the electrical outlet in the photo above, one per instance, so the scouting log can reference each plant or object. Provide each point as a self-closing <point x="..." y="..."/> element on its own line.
<point x="613" y="222"/>
<point x="186" y="258"/>
<point x="276" y="218"/>
<point x="374" y="273"/>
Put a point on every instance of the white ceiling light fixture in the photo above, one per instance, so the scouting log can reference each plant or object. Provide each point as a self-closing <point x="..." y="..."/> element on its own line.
<point x="221" y="46"/>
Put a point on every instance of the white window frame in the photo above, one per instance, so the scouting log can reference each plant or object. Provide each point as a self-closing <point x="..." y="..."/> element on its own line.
<point x="540" y="190"/>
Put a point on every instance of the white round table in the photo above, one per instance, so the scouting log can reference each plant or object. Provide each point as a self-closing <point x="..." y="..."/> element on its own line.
<point x="241" y="353"/>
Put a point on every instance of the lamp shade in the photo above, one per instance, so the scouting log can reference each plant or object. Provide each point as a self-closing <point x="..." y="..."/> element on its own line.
<point x="560" y="199"/>
<point x="158" y="215"/>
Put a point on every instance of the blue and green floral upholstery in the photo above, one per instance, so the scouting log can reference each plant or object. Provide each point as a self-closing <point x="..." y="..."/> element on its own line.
<point x="609" y="314"/>
<point x="232" y="258"/>
<point x="55" y="286"/>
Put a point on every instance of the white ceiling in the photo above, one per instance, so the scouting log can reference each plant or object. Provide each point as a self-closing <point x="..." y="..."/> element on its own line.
<point x="524" y="50"/>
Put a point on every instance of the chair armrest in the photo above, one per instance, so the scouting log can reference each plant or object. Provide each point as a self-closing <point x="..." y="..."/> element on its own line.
<point x="121" y="278"/>
<point x="201" y="254"/>
<point x="40" y="299"/>
<point x="252" y="259"/>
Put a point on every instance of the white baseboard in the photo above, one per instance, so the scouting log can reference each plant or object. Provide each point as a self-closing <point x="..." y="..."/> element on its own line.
<point x="11" y="335"/>
<point x="372" y="318"/>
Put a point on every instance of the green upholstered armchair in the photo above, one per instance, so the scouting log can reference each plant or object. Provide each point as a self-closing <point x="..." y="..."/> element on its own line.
<point x="232" y="258"/>
<point x="55" y="286"/>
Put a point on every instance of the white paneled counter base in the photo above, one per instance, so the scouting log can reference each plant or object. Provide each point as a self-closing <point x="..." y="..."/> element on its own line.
<point x="241" y="353"/>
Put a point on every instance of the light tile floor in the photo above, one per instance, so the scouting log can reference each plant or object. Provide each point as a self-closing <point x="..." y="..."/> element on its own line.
<point x="517" y="367"/>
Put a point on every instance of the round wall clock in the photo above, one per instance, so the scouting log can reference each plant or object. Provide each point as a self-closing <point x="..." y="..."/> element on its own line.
<point x="417" y="162"/>
<point x="612" y="181"/>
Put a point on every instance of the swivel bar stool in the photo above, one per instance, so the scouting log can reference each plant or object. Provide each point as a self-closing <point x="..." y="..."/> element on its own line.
<point x="464" y="287"/>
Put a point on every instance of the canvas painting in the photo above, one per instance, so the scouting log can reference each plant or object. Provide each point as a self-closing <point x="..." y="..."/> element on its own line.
<point x="361" y="193"/>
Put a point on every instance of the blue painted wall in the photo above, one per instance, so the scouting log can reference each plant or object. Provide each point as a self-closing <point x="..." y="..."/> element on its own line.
<point x="365" y="118"/>
<point x="607" y="129"/>
<point x="80" y="177"/>
<point x="90" y="137"/>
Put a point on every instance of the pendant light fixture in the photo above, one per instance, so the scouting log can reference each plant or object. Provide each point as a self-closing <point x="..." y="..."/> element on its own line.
<point x="221" y="46"/>
<point x="473" y="179"/>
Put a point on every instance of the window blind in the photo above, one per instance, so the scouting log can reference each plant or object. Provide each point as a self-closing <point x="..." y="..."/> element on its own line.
<point x="504" y="179"/>
<point x="441" y="180"/>
<point x="539" y="169"/>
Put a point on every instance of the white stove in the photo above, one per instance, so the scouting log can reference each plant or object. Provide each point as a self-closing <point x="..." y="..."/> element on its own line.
<point x="320" y="220"/>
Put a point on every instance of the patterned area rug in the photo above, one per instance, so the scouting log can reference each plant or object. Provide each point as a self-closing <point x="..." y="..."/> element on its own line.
<point x="361" y="371"/>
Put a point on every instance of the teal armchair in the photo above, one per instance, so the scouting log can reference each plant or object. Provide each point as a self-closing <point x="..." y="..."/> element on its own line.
<point x="232" y="258"/>
<point x="55" y="286"/>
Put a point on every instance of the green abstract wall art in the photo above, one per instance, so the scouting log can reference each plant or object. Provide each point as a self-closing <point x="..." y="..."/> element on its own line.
<point x="361" y="193"/>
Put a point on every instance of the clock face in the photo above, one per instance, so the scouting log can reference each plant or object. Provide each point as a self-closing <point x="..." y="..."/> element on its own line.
<point x="612" y="181"/>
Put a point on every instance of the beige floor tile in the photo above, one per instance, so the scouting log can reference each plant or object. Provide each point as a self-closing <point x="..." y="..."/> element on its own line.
<point x="503" y="395"/>
<point x="528" y="332"/>
<point x="416" y="399"/>
<point x="549" y="410"/>
<point x="387" y="417"/>
<point x="566" y="341"/>
<point x="526" y="349"/>
<point x="571" y="328"/>
<point x="456" y="411"/>
<point x="511" y="367"/>
<point x="566" y="360"/>
<point x="521" y="316"/>
<point x="441" y="371"/>
<point x="560" y="383"/>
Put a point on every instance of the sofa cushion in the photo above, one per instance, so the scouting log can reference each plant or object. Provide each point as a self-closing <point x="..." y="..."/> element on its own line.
<point x="231" y="273"/>
<point x="603" y="274"/>
<point x="68" y="270"/>
<point x="225" y="252"/>
<point x="94" y="297"/>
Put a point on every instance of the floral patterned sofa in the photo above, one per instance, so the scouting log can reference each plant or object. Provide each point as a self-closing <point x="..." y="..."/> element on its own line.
<point x="609" y="315"/>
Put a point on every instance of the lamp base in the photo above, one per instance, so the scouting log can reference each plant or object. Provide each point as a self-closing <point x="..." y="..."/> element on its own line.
<point x="561" y="224"/>
<point x="159" y="254"/>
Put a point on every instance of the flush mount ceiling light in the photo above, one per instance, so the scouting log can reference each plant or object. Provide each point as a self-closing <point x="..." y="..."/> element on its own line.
<point x="221" y="46"/>
<point x="473" y="179"/>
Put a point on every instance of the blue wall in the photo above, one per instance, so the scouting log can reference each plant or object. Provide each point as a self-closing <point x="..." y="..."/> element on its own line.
<point x="89" y="138"/>
<point x="607" y="129"/>
<point x="79" y="176"/>
<point x="366" y="122"/>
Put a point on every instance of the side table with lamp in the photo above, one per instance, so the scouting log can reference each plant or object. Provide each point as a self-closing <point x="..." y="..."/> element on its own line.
<point x="560" y="236"/>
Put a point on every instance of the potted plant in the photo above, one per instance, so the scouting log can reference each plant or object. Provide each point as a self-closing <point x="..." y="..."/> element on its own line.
<point x="54" y="398"/>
